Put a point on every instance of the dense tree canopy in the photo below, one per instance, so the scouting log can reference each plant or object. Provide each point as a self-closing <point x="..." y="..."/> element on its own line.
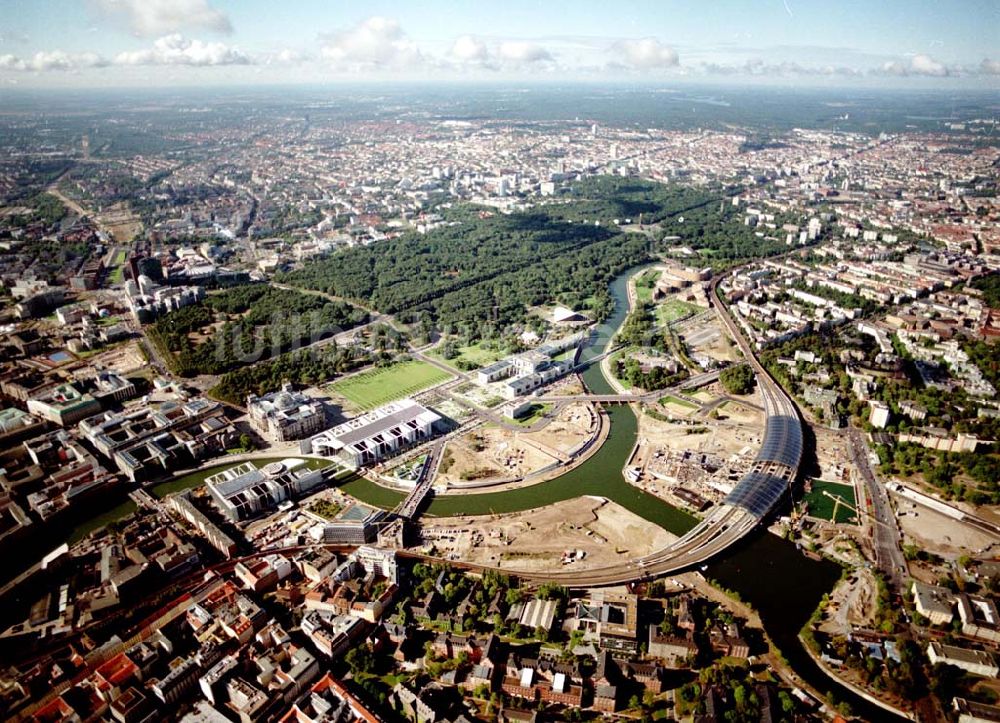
<point x="304" y="368"/>
<point x="990" y="286"/>
<point x="246" y="324"/>
<point x="738" y="379"/>
<point x="483" y="272"/>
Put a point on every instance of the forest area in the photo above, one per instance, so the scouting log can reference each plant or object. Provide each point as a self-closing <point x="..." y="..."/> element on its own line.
<point x="245" y="324"/>
<point x="489" y="269"/>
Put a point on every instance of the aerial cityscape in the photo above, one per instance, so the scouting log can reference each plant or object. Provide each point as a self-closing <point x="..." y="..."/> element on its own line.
<point x="414" y="364"/>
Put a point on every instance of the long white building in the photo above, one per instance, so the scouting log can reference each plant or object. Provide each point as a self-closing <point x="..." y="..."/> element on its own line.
<point x="244" y="491"/>
<point x="376" y="435"/>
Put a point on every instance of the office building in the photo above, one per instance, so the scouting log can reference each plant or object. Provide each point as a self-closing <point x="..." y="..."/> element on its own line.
<point x="244" y="491"/>
<point x="376" y="435"/>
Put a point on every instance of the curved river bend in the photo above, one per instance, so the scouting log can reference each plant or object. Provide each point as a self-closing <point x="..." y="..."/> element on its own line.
<point x="766" y="571"/>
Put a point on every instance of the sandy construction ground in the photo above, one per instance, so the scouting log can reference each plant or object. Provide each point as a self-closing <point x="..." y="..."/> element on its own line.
<point x="709" y="339"/>
<point x="737" y="413"/>
<point x="567" y="386"/>
<point x="833" y="453"/>
<point x="677" y="409"/>
<point x="537" y="539"/>
<point x="573" y="425"/>
<point x="852" y="604"/>
<point x="122" y="359"/>
<point x="490" y="453"/>
<point x="936" y="533"/>
<point x="120" y="222"/>
<point x="723" y="439"/>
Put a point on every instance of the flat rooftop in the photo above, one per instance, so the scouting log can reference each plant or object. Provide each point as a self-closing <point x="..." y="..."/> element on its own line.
<point x="381" y="420"/>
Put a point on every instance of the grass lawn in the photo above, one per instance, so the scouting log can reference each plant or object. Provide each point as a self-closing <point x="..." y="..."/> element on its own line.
<point x="564" y="355"/>
<point x="678" y="401"/>
<point x="119" y="512"/>
<point x="473" y="355"/>
<point x="821" y="506"/>
<point x="613" y="366"/>
<point x="674" y="309"/>
<point x="644" y="285"/>
<point x="376" y="387"/>
<point x="325" y="509"/>
<point x="118" y="262"/>
<point x="534" y="413"/>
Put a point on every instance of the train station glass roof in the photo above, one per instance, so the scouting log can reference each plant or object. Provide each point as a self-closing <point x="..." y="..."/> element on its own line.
<point x="757" y="492"/>
<point x="782" y="441"/>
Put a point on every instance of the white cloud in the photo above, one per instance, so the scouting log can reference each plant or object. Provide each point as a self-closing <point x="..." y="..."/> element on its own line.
<point x="377" y="42"/>
<point x="286" y="56"/>
<point x="926" y="65"/>
<point x="177" y="50"/>
<point x="785" y="68"/>
<point x="52" y="60"/>
<point x="151" y="18"/>
<point x="989" y="67"/>
<point x="646" y="53"/>
<point x="523" y="52"/>
<point x="920" y="64"/>
<point x="470" y="49"/>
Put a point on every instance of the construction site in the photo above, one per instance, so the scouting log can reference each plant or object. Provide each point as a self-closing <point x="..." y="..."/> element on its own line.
<point x="578" y="533"/>
<point x="692" y="450"/>
<point x="490" y="455"/>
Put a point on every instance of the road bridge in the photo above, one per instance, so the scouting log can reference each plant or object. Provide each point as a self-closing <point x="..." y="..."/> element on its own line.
<point x="409" y="506"/>
<point x="699" y="380"/>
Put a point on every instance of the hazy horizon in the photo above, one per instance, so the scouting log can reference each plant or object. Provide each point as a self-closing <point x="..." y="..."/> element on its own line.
<point x="185" y="43"/>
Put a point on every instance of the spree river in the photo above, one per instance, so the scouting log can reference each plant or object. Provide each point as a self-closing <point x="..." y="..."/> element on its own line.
<point x="766" y="571"/>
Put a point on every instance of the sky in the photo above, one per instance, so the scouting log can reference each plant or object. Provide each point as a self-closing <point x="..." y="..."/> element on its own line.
<point x="837" y="43"/>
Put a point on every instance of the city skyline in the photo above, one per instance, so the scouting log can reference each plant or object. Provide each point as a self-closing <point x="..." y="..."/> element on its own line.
<point x="128" y="43"/>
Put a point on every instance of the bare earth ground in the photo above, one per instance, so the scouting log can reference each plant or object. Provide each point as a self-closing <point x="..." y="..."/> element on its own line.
<point x="737" y="413"/>
<point x="936" y="533"/>
<point x="536" y="539"/>
<point x="574" y="424"/>
<point x="723" y="439"/>
<point x="511" y="455"/>
<point x="602" y="435"/>
<point x="833" y="452"/>
<point x="503" y="455"/>
<point x="678" y="410"/>
<point x="123" y="359"/>
<point x="988" y="512"/>
<point x="120" y="222"/>
<point x="567" y="386"/>
<point x="852" y="604"/>
<point x="710" y="340"/>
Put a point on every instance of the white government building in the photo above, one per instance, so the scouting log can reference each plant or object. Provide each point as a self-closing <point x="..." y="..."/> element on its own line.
<point x="244" y="491"/>
<point x="376" y="435"/>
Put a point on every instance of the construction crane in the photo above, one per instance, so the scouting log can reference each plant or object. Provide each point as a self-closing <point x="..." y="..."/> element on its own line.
<point x="838" y="501"/>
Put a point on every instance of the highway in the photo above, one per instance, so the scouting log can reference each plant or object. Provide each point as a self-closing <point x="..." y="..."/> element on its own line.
<point x="751" y="501"/>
